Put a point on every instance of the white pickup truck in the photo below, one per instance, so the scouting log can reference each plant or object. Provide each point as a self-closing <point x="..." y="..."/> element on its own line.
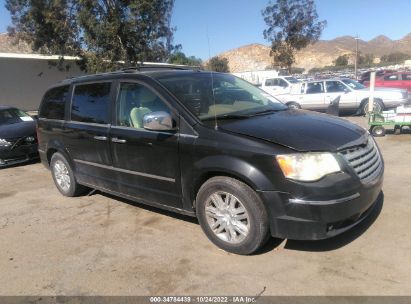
<point x="278" y="85"/>
<point x="317" y="95"/>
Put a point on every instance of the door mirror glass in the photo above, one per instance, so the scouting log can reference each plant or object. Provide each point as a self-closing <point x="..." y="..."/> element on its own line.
<point x="158" y="121"/>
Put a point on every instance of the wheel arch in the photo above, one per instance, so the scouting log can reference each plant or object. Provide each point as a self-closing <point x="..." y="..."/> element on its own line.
<point x="364" y="100"/>
<point x="54" y="147"/>
<point x="230" y="167"/>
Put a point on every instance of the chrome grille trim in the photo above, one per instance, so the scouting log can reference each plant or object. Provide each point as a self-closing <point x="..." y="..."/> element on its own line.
<point x="365" y="160"/>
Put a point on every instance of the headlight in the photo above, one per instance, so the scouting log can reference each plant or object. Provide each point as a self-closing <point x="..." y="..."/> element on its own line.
<point x="4" y="143"/>
<point x="307" y="166"/>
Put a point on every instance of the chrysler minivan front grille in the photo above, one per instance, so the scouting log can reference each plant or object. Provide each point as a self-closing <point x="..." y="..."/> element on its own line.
<point x="365" y="160"/>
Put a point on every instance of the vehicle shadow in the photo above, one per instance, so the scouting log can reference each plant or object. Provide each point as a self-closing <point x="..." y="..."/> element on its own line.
<point x="175" y="215"/>
<point x="274" y="243"/>
<point x="339" y="240"/>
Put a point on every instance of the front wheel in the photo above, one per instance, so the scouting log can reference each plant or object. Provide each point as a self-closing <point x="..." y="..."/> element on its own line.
<point x="232" y="215"/>
<point x="378" y="107"/>
<point x="378" y="131"/>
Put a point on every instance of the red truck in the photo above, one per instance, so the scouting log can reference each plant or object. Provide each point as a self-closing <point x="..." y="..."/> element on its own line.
<point x="401" y="80"/>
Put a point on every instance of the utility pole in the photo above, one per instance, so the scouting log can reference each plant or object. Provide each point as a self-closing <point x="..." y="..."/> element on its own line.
<point x="356" y="57"/>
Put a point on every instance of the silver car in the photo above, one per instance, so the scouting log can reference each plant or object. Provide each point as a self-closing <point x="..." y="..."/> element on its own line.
<point x="317" y="95"/>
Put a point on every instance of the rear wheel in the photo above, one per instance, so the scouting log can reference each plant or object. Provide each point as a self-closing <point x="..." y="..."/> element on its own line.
<point x="232" y="215"/>
<point x="293" y="105"/>
<point x="63" y="176"/>
<point x="378" y="131"/>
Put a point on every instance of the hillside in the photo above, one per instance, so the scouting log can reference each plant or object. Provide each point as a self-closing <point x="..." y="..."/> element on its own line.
<point x="320" y="54"/>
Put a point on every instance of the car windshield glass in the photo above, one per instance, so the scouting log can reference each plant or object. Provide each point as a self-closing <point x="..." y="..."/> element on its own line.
<point x="353" y="84"/>
<point x="292" y="79"/>
<point x="208" y="95"/>
<point x="11" y="116"/>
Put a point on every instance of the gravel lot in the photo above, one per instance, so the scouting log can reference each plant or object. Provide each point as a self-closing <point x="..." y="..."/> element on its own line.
<point x="102" y="245"/>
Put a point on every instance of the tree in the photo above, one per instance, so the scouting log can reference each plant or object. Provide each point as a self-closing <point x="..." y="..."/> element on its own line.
<point x="396" y="57"/>
<point x="365" y="60"/>
<point x="179" y="57"/>
<point x="341" y="60"/>
<point x="105" y="34"/>
<point x="218" y="64"/>
<point x="292" y="25"/>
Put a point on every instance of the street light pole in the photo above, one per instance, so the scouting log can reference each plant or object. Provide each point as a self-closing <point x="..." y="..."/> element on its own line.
<point x="356" y="57"/>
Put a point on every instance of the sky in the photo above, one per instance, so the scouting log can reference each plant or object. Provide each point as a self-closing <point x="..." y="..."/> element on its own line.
<point x="206" y="28"/>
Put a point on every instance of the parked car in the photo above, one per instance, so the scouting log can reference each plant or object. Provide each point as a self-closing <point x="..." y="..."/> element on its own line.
<point x="401" y="80"/>
<point x="317" y="95"/>
<point x="365" y="77"/>
<point x="278" y="85"/>
<point x="18" y="140"/>
<point x="240" y="161"/>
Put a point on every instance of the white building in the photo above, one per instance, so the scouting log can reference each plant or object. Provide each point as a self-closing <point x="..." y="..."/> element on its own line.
<point x="24" y="77"/>
<point x="257" y="77"/>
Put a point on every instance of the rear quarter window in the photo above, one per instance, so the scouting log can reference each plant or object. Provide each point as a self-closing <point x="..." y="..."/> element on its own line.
<point x="54" y="102"/>
<point x="91" y="103"/>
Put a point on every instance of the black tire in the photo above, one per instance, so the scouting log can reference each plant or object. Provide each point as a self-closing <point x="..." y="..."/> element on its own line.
<point x="378" y="131"/>
<point x="293" y="105"/>
<point x="74" y="188"/>
<point x="378" y="106"/>
<point x="258" y="232"/>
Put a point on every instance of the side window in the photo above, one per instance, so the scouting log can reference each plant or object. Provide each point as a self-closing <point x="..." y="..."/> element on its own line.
<point x="276" y="82"/>
<point x="269" y="82"/>
<point x="406" y="76"/>
<point x="282" y="83"/>
<point x="133" y="102"/>
<point x="315" y="87"/>
<point x="391" y="77"/>
<point x="334" y="86"/>
<point x="54" y="103"/>
<point x="91" y="103"/>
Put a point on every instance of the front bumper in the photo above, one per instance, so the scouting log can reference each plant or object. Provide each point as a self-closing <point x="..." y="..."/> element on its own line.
<point x="17" y="155"/>
<point x="320" y="219"/>
<point x="396" y="103"/>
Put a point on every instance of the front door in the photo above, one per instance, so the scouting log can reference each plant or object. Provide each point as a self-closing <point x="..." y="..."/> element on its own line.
<point x="146" y="162"/>
<point x="335" y="88"/>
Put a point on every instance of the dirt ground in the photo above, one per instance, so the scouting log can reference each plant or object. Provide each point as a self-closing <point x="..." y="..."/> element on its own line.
<point x="102" y="245"/>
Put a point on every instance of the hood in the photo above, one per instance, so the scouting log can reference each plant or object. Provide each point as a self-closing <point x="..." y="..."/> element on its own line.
<point x="16" y="130"/>
<point x="300" y="130"/>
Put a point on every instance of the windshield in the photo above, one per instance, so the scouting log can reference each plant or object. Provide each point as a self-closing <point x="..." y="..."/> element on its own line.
<point x="353" y="84"/>
<point x="292" y="79"/>
<point x="11" y="116"/>
<point x="209" y="95"/>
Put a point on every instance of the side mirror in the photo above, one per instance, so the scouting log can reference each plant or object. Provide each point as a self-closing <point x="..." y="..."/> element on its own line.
<point x="346" y="91"/>
<point x="158" y="121"/>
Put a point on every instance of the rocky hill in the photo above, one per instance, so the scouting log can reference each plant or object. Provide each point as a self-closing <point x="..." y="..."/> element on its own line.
<point x="323" y="53"/>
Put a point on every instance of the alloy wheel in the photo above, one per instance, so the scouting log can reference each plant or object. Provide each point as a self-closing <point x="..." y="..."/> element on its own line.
<point x="227" y="217"/>
<point x="61" y="175"/>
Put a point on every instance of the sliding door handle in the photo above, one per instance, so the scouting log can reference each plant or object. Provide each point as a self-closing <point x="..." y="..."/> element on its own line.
<point x="118" y="140"/>
<point x="100" y="137"/>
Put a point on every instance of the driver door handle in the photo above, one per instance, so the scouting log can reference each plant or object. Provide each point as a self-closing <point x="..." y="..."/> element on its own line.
<point x="118" y="140"/>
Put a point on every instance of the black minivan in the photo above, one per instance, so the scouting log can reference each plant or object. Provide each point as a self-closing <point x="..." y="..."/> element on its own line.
<point x="213" y="146"/>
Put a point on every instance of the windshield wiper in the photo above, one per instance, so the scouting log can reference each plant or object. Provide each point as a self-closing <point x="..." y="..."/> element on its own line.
<point x="268" y="111"/>
<point x="226" y="116"/>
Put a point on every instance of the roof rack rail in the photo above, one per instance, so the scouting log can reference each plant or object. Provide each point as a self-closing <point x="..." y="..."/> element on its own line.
<point x="142" y="66"/>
